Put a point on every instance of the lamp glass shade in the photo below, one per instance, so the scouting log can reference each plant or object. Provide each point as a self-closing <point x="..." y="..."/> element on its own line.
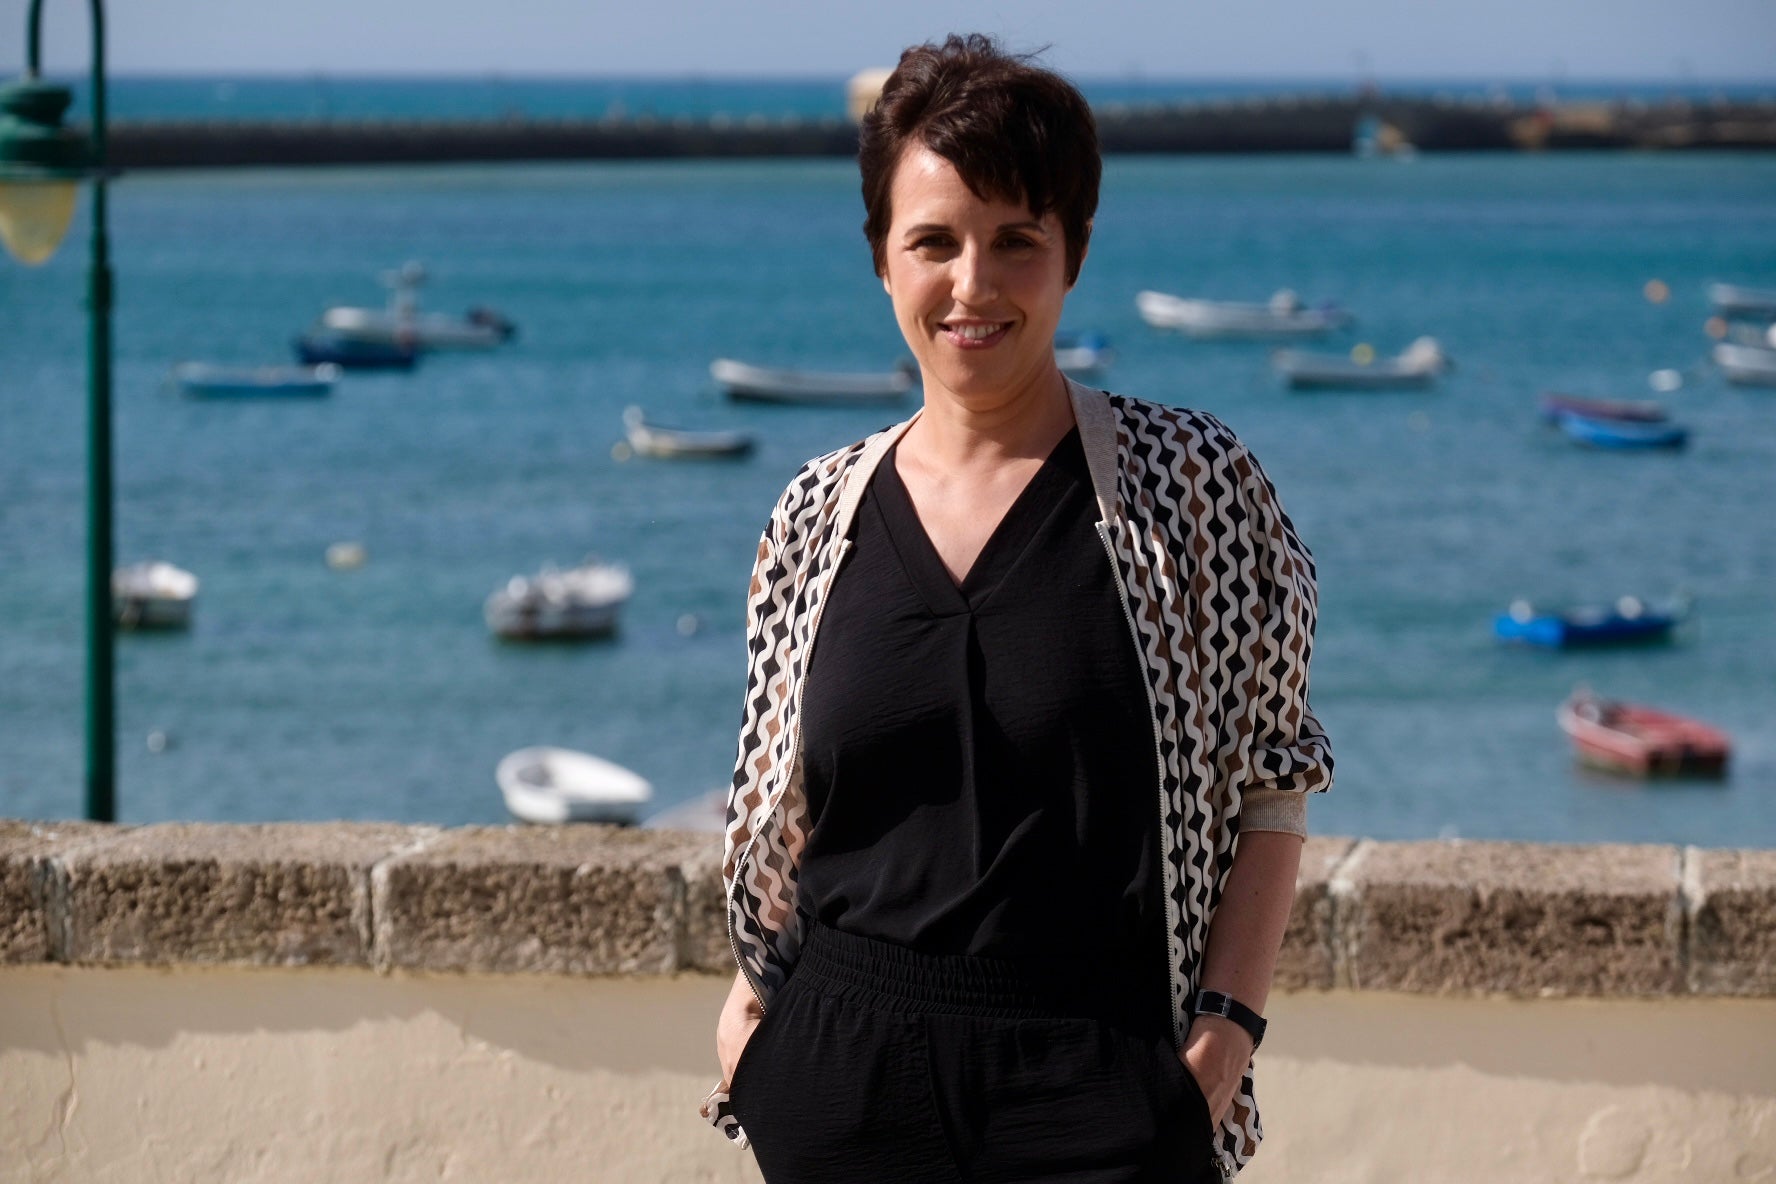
<point x="34" y="217"/>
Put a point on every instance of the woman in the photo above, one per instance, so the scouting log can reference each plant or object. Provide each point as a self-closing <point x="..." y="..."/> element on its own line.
<point x="1011" y="852"/>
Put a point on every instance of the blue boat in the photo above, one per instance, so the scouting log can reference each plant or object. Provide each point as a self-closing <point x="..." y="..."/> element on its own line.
<point x="1627" y="622"/>
<point x="1622" y="433"/>
<point x="320" y="346"/>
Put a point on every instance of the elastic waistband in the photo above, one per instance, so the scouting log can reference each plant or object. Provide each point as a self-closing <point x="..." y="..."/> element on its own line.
<point x="900" y="979"/>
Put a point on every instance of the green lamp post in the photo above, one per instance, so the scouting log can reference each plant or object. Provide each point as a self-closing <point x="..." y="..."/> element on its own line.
<point x="41" y="166"/>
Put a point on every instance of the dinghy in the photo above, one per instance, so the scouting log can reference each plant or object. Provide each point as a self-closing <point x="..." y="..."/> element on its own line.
<point x="1736" y="300"/>
<point x="1415" y="368"/>
<point x="1622" y="433"/>
<point x="554" y="785"/>
<point x="1746" y="365"/>
<point x="575" y="604"/>
<point x="1082" y="354"/>
<point x="1641" y="741"/>
<point x="764" y="384"/>
<point x="1282" y="316"/>
<point x="152" y="595"/>
<point x="1633" y="411"/>
<point x="649" y="439"/>
<point x="201" y="380"/>
<point x="1627" y="622"/>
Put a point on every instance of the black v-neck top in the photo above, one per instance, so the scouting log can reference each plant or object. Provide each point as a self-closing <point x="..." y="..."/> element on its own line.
<point x="979" y="759"/>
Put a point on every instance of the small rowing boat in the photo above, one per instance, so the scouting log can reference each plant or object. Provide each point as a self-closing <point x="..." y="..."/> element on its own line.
<point x="1554" y="406"/>
<point x="765" y="384"/>
<point x="554" y="785"/>
<point x="1283" y="315"/>
<point x="1746" y="365"/>
<point x="1415" y="368"/>
<point x="201" y="380"/>
<point x="1641" y="741"/>
<point x="649" y="439"/>
<point x="1622" y="434"/>
<point x="1628" y="621"/>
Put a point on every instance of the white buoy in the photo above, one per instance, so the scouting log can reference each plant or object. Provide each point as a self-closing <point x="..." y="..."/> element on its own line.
<point x="157" y="741"/>
<point x="689" y="624"/>
<point x="1665" y="380"/>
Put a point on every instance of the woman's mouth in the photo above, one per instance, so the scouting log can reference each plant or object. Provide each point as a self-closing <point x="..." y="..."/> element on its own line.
<point x="975" y="334"/>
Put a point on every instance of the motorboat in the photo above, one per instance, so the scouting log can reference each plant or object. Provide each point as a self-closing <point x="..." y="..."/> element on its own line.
<point x="1746" y="365"/>
<point x="1283" y="315"/>
<point x="649" y="439"/>
<point x="1081" y="354"/>
<point x="765" y="384"/>
<point x="578" y="603"/>
<point x="152" y="595"/>
<point x="1626" y="622"/>
<point x="1554" y="406"/>
<point x="322" y="346"/>
<point x="1641" y="741"/>
<point x="402" y="322"/>
<point x="1736" y="300"/>
<point x="1622" y="433"/>
<point x="1416" y="367"/>
<point x="203" y="380"/>
<point x="554" y="785"/>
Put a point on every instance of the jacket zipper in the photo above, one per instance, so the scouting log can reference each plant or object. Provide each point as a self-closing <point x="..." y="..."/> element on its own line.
<point x="1171" y="906"/>
<point x="795" y="755"/>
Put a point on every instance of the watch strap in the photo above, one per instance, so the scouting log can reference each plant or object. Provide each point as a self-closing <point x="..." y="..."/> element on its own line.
<point x="1229" y="1008"/>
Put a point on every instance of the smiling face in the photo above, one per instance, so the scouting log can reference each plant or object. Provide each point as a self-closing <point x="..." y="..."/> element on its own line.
<point x="977" y="284"/>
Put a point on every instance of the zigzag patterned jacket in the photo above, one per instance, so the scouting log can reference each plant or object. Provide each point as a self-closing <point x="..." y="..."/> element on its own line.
<point x="1221" y="603"/>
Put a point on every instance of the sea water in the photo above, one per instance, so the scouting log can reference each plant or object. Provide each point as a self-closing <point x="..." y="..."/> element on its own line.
<point x="303" y="692"/>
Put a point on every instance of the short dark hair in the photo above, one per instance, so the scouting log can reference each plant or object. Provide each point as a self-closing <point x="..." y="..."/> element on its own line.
<point x="1013" y="130"/>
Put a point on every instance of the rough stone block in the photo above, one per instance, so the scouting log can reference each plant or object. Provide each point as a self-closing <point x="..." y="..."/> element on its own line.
<point x="281" y="894"/>
<point x="704" y="944"/>
<point x="570" y="900"/>
<point x="1306" y="958"/>
<point x="1518" y="918"/>
<point x="29" y="928"/>
<point x="1732" y="901"/>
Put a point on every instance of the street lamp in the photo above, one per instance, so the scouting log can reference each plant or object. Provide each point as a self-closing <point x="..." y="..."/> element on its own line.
<point x="41" y="166"/>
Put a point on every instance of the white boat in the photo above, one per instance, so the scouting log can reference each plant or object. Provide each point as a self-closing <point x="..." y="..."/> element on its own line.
<point x="580" y="602"/>
<point x="1417" y="366"/>
<point x="1756" y="336"/>
<point x="1283" y="315"/>
<point x="152" y="595"/>
<point x="550" y="785"/>
<point x="402" y="324"/>
<point x="1081" y="354"/>
<point x="649" y="439"/>
<point x="1734" y="300"/>
<point x="769" y="385"/>
<point x="206" y="381"/>
<point x="1746" y="365"/>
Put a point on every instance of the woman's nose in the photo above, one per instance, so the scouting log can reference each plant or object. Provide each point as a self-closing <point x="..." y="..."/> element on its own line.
<point x="973" y="282"/>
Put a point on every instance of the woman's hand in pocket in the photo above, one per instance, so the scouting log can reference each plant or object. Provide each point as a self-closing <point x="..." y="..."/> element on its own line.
<point x="1216" y="1053"/>
<point x="740" y="1015"/>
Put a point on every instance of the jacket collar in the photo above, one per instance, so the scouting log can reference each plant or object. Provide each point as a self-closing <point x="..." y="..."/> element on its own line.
<point x="1097" y="434"/>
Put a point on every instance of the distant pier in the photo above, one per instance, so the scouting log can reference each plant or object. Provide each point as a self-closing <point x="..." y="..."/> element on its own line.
<point x="1284" y="123"/>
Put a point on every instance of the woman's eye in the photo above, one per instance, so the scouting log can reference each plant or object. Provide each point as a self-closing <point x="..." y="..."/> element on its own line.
<point x="931" y="242"/>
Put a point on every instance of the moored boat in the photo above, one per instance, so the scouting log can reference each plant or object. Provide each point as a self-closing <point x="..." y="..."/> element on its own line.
<point x="649" y="439"/>
<point x="1737" y="300"/>
<point x="321" y="346"/>
<point x="1746" y="365"/>
<point x="152" y="595"/>
<point x="1283" y="315"/>
<point x="554" y="785"/>
<point x="401" y="323"/>
<point x="1626" y="622"/>
<point x="1622" y="433"/>
<point x="1554" y="406"/>
<point x="203" y="380"/>
<point x="1641" y="741"/>
<point x="1415" y="368"/>
<point x="766" y="384"/>
<point x="579" y="603"/>
<point x="1081" y="354"/>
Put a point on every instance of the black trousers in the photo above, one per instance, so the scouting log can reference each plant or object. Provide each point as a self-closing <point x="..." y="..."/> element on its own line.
<point x="878" y="1063"/>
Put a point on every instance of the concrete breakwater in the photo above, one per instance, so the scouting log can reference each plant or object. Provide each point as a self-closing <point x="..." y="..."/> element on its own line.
<point x="1289" y="123"/>
<point x="370" y="1001"/>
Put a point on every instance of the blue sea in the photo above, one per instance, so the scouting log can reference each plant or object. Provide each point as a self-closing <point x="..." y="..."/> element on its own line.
<point x="302" y="692"/>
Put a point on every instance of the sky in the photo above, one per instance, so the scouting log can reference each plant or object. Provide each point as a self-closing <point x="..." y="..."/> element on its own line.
<point x="1480" y="40"/>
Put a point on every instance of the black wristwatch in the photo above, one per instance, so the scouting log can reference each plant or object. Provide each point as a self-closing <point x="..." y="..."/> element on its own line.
<point x="1229" y="1008"/>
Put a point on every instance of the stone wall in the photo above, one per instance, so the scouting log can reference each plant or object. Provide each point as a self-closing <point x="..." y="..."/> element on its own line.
<point x="1514" y="919"/>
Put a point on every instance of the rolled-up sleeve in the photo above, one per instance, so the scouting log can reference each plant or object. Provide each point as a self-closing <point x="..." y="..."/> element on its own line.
<point x="1289" y="753"/>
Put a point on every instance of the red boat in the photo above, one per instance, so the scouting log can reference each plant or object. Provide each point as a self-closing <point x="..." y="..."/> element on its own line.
<point x="1636" y="411"/>
<point x="1640" y="741"/>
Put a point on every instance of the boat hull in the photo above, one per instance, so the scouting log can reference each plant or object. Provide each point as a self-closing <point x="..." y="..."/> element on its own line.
<point x="1214" y="320"/>
<point x="1555" y="406"/>
<point x="759" y="384"/>
<point x="1746" y="365"/>
<point x="269" y="382"/>
<point x="312" y="350"/>
<point x="1622" y="434"/>
<point x="558" y="785"/>
<point x="1553" y="631"/>
<point x="1636" y="741"/>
